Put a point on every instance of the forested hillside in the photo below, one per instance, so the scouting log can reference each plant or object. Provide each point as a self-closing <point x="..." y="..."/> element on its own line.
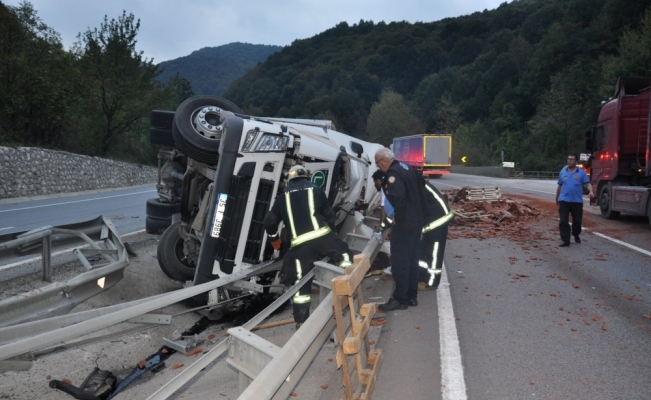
<point x="94" y="99"/>
<point x="526" y="78"/>
<point x="211" y="70"/>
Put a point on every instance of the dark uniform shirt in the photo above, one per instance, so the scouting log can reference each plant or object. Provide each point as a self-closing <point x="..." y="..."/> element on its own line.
<point x="404" y="189"/>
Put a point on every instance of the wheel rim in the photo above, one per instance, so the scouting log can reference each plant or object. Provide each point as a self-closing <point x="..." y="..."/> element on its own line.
<point x="208" y="122"/>
<point x="180" y="255"/>
<point x="605" y="201"/>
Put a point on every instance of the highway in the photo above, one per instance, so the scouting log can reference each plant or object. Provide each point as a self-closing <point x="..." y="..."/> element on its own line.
<point x="125" y="207"/>
<point x="533" y="320"/>
<point x="575" y="327"/>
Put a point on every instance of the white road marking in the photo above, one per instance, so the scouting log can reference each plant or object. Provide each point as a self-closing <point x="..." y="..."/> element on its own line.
<point x="9" y="227"/>
<point x="446" y="184"/>
<point x="58" y="253"/>
<point x="630" y="246"/>
<point x="76" y="201"/>
<point x="453" y="385"/>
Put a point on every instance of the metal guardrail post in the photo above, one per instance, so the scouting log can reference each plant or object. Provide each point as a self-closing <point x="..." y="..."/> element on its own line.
<point x="47" y="258"/>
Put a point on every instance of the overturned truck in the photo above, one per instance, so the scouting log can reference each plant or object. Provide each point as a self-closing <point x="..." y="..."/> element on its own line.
<point x="219" y="172"/>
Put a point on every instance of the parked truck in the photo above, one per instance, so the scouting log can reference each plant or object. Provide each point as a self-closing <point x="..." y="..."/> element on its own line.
<point x="429" y="154"/>
<point x="219" y="174"/>
<point x="620" y="143"/>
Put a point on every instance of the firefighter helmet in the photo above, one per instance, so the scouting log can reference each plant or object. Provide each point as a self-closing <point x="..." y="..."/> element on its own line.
<point x="297" y="171"/>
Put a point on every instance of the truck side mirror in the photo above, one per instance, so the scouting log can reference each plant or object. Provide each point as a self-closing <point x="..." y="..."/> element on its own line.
<point x="588" y="139"/>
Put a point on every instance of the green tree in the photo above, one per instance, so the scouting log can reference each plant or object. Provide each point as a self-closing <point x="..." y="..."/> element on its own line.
<point x="634" y="57"/>
<point x="391" y="117"/>
<point x="120" y="83"/>
<point x="37" y="79"/>
<point x="557" y="128"/>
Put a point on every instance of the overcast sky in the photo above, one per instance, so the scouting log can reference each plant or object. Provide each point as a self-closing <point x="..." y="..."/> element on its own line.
<point x="174" y="28"/>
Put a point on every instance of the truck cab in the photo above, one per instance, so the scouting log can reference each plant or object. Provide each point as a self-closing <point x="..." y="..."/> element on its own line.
<point x="235" y="166"/>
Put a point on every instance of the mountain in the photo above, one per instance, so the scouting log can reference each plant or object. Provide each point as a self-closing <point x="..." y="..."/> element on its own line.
<point x="211" y="70"/>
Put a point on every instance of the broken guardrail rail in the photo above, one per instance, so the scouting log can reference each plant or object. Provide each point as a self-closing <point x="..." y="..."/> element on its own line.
<point x="99" y="236"/>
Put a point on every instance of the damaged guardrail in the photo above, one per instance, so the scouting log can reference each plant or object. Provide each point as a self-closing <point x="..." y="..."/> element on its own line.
<point x="59" y="298"/>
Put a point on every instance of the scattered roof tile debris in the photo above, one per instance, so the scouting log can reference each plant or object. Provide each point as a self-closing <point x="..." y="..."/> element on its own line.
<point x="483" y="219"/>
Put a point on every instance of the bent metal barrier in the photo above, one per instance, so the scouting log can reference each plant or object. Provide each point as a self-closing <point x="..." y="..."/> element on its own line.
<point x="59" y="298"/>
<point x="274" y="381"/>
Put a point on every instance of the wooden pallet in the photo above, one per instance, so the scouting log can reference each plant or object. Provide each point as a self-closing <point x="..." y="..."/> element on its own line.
<point x="487" y="194"/>
<point x="471" y="215"/>
<point x="359" y="364"/>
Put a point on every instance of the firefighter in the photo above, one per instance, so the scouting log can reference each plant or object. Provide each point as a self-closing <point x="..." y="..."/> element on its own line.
<point x="432" y="243"/>
<point x="306" y="214"/>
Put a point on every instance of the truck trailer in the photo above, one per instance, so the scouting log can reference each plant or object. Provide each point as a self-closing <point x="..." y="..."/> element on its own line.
<point x="620" y="142"/>
<point x="429" y="154"/>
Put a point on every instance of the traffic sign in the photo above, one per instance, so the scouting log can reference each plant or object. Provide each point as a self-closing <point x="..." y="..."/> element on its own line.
<point x="318" y="178"/>
<point x="463" y="159"/>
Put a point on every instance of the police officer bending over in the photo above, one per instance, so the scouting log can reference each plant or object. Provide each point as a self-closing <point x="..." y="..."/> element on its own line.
<point x="305" y="212"/>
<point x="404" y="190"/>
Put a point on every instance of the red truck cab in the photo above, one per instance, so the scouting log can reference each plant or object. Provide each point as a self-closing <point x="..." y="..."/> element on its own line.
<point x="620" y="144"/>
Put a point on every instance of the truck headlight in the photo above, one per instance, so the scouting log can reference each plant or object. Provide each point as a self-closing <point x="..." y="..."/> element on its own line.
<point x="272" y="143"/>
<point x="249" y="140"/>
<point x="268" y="143"/>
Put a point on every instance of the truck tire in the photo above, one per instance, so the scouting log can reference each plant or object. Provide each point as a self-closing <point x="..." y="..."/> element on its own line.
<point x="170" y="255"/>
<point x="648" y="212"/>
<point x="161" y="119"/>
<point x="159" y="210"/>
<point x="163" y="137"/>
<point x="157" y="226"/>
<point x="199" y="144"/>
<point x="604" y="204"/>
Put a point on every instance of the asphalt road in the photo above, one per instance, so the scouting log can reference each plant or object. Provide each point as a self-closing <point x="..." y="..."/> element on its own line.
<point x="574" y="328"/>
<point x="125" y="207"/>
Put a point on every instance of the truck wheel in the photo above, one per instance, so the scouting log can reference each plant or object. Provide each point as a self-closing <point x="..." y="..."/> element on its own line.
<point x="157" y="226"/>
<point x="170" y="255"/>
<point x="161" y="119"/>
<point x="159" y="210"/>
<point x="197" y="127"/>
<point x="163" y="137"/>
<point x="604" y="204"/>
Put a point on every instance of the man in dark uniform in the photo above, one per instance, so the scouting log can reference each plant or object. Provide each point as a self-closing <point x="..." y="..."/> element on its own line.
<point x="435" y="233"/>
<point x="305" y="212"/>
<point x="404" y="189"/>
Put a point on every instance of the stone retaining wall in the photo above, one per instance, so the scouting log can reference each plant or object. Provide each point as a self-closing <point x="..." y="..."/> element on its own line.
<point x="30" y="171"/>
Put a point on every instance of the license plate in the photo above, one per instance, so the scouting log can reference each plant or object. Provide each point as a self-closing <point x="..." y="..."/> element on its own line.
<point x="219" y="215"/>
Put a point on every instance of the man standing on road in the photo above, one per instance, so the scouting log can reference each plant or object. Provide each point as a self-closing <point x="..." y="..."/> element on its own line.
<point x="404" y="190"/>
<point x="569" y="199"/>
<point x="435" y="234"/>
<point x="306" y="213"/>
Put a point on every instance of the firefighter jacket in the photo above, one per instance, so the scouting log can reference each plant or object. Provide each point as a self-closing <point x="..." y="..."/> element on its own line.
<point x="404" y="188"/>
<point x="440" y="212"/>
<point x="304" y="210"/>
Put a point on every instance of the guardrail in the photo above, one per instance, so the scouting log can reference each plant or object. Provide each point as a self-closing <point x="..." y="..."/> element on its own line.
<point x="277" y="380"/>
<point x="534" y="175"/>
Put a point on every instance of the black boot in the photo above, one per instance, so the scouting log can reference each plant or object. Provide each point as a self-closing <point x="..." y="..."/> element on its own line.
<point x="392" y="305"/>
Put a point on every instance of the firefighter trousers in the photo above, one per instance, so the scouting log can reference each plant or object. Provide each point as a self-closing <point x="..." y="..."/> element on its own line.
<point x="300" y="260"/>
<point x="432" y="248"/>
